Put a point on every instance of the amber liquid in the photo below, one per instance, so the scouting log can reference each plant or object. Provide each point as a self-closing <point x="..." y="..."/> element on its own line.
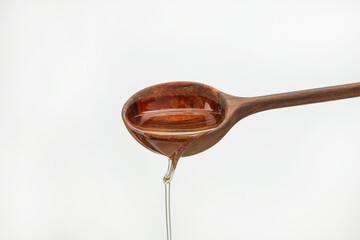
<point x="169" y="131"/>
<point x="177" y="121"/>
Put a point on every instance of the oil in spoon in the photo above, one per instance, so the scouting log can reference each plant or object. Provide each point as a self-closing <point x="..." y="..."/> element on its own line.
<point x="164" y="129"/>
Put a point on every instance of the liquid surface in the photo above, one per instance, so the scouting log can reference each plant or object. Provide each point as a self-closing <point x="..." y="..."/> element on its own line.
<point x="177" y="121"/>
<point x="171" y="131"/>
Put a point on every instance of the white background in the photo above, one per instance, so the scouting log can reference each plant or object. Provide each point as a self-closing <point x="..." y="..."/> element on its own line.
<point x="70" y="170"/>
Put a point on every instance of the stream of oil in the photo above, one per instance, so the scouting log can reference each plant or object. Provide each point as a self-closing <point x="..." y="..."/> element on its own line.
<point x="170" y="132"/>
<point x="167" y="179"/>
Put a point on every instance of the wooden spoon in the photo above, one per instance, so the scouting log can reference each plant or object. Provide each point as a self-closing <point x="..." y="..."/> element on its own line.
<point x="185" y="118"/>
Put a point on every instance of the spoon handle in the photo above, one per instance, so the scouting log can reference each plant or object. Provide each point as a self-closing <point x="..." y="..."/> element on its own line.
<point x="304" y="97"/>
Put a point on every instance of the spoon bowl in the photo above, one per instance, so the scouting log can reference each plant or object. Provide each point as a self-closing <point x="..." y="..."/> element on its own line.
<point x="165" y="116"/>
